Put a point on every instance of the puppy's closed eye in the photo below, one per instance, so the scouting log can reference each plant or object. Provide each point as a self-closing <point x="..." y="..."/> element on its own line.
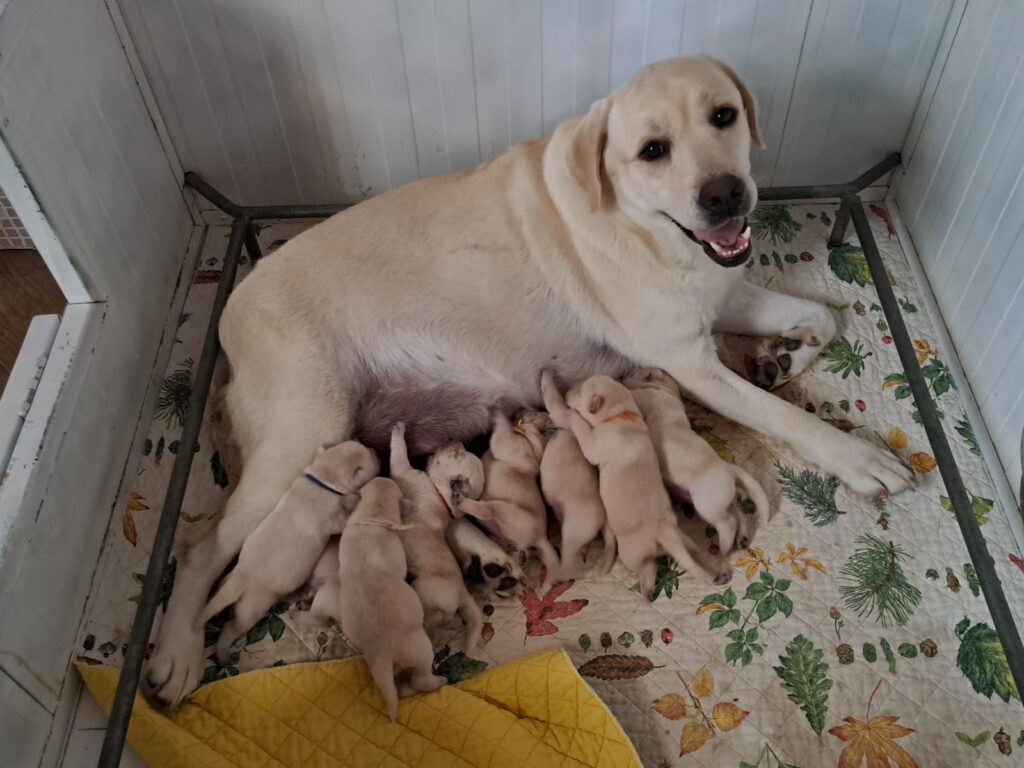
<point x="595" y="403"/>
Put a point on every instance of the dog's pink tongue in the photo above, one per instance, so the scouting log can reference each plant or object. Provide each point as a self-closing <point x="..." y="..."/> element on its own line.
<point x="725" y="235"/>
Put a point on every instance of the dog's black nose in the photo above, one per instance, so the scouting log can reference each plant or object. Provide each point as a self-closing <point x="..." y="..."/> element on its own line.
<point x="722" y="196"/>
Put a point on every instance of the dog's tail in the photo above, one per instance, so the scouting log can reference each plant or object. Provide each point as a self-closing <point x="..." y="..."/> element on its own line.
<point x="610" y="548"/>
<point x="383" y="670"/>
<point x="754" y="492"/>
<point x="226" y="595"/>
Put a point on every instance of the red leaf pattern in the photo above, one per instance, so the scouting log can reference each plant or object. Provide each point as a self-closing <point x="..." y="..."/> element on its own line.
<point x="540" y="612"/>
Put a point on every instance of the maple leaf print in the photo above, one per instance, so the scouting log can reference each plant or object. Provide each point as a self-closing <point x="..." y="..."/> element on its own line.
<point x="799" y="561"/>
<point x="873" y="742"/>
<point x="540" y="612"/>
<point x="753" y="561"/>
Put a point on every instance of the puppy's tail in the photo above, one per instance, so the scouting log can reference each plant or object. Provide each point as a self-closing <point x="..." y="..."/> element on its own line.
<point x="754" y="492"/>
<point x="610" y="548"/>
<point x="383" y="670"/>
<point x="228" y="594"/>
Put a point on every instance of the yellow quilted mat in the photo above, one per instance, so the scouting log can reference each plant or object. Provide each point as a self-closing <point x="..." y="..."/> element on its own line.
<point x="536" y="711"/>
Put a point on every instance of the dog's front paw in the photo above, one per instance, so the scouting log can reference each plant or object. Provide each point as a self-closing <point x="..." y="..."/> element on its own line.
<point x="173" y="673"/>
<point x="864" y="468"/>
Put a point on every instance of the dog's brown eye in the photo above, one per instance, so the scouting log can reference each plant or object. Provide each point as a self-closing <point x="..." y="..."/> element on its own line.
<point x="654" y="150"/>
<point x="723" y="117"/>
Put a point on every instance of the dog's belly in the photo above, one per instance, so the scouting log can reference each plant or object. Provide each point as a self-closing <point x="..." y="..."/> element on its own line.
<point x="437" y="409"/>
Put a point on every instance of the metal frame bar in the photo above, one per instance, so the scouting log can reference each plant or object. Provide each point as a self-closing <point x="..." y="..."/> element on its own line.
<point x="243" y="233"/>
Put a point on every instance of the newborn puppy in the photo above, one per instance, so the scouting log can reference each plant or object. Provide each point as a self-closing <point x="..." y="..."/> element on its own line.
<point x="325" y="585"/>
<point x="511" y="508"/>
<point x="380" y="613"/>
<point x="277" y="557"/>
<point x="432" y="570"/>
<point x="612" y="435"/>
<point x="690" y="467"/>
<point x="570" y="485"/>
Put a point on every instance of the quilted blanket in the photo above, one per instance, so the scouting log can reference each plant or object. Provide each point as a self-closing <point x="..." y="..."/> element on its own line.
<point x="528" y="713"/>
<point x="852" y="633"/>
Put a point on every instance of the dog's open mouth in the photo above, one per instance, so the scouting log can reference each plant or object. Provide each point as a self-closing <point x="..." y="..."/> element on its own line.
<point x="727" y="245"/>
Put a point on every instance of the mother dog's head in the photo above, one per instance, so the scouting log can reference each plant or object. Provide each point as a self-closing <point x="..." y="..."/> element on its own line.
<point x="671" y="148"/>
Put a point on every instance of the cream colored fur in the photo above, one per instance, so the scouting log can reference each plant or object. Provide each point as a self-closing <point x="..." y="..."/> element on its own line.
<point x="278" y="556"/>
<point x="435" y="575"/>
<point x="689" y="466"/>
<point x="380" y="614"/>
<point x="429" y="303"/>
<point x="612" y="435"/>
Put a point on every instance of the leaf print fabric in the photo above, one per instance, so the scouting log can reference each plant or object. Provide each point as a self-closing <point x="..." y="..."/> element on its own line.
<point x="835" y="597"/>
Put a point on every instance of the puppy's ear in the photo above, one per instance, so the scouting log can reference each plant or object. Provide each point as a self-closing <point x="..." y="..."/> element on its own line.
<point x="749" y="105"/>
<point x="586" y="151"/>
<point x="595" y="403"/>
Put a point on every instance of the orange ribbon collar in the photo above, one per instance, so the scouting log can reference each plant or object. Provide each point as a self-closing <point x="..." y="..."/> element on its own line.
<point x="631" y="416"/>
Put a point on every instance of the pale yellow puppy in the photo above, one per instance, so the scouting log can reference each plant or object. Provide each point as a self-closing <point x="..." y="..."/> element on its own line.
<point x="432" y="570"/>
<point x="689" y="466"/>
<point x="612" y="434"/>
<point x="380" y="613"/>
<point x="570" y="486"/>
<point x="279" y="555"/>
<point x="512" y="508"/>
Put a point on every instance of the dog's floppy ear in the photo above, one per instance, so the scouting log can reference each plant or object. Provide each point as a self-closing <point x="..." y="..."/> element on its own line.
<point x="586" y="151"/>
<point x="749" y="105"/>
<point x="595" y="403"/>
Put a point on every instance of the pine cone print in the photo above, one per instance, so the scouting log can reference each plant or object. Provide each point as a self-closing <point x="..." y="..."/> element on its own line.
<point x="646" y="637"/>
<point x="845" y="653"/>
<point x="858" y="308"/>
<point x="1002" y="740"/>
<point x="606" y="640"/>
<point x="929" y="648"/>
<point x="952" y="581"/>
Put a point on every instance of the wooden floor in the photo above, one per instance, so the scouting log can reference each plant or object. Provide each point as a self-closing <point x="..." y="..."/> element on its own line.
<point x="26" y="289"/>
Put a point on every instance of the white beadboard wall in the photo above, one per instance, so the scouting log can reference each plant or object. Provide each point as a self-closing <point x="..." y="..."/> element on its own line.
<point x="334" y="100"/>
<point x="74" y="118"/>
<point x="963" y="201"/>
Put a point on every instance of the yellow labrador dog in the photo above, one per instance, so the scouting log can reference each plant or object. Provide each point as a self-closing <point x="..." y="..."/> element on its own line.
<point x="617" y="241"/>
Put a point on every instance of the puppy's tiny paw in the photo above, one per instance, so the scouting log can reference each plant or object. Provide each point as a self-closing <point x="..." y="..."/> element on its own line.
<point x="722" y="577"/>
<point x="398" y="429"/>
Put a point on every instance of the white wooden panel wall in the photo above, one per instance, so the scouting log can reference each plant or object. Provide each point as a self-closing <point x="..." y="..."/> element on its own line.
<point x="315" y="100"/>
<point x="73" y="117"/>
<point x="963" y="202"/>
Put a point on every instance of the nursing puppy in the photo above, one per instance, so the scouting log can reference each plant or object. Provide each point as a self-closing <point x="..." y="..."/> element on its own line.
<point x="570" y="486"/>
<point x="380" y="613"/>
<point x="512" y="508"/>
<point x="612" y="435"/>
<point x="689" y="466"/>
<point x="278" y="556"/>
<point x="323" y="582"/>
<point x="432" y="570"/>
